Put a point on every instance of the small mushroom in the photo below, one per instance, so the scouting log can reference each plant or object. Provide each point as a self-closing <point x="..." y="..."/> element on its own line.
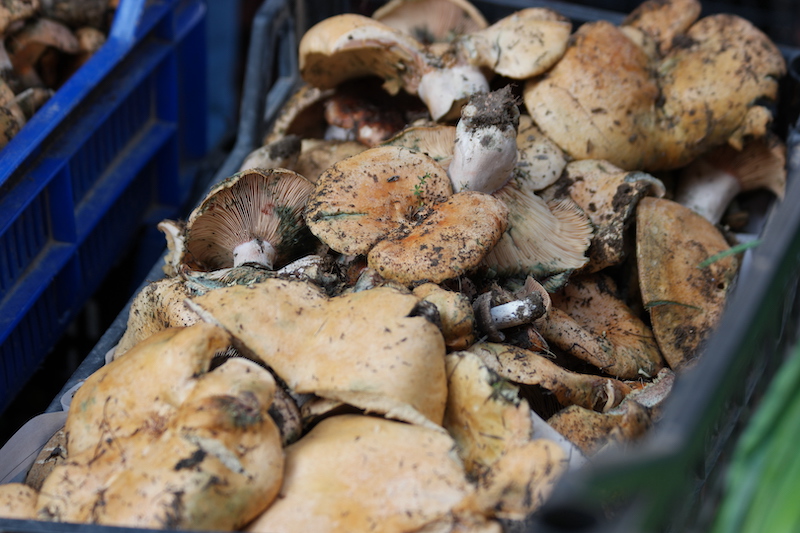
<point x="608" y="195"/>
<point x="455" y="314"/>
<point x="589" y="320"/>
<point x="26" y="47"/>
<point x="684" y="299"/>
<point x="252" y="216"/>
<point x="317" y="156"/>
<point x="709" y="183"/>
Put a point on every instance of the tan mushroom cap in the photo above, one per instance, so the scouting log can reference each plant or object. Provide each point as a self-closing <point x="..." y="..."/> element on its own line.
<point x="521" y="45"/>
<point x="591" y="431"/>
<point x="359" y="200"/>
<point x="280" y="153"/>
<point x="644" y="115"/>
<point x="18" y="501"/>
<point x="260" y="208"/>
<point x="26" y="47"/>
<point x="364" y="348"/>
<point x="484" y="415"/>
<point x="530" y="368"/>
<point x="318" y="155"/>
<point x="301" y="115"/>
<point x="431" y="21"/>
<point x="597" y="326"/>
<point x="455" y="313"/>
<point x="14" y="11"/>
<point x="608" y="195"/>
<point x="663" y="20"/>
<point x="684" y="301"/>
<point x="449" y="242"/>
<point x="356" y="473"/>
<point x="433" y="140"/>
<point x="540" y="160"/>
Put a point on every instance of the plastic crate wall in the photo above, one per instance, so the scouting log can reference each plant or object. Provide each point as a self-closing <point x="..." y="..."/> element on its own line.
<point x="112" y="152"/>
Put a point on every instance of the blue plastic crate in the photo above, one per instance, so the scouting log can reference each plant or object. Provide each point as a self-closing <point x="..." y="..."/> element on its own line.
<point x="115" y="150"/>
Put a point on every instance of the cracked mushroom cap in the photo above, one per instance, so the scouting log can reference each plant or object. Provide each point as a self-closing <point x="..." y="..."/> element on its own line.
<point x="449" y="242"/>
<point x="370" y="349"/>
<point x="361" y="199"/>
<point x="430" y="21"/>
<point x="608" y="195"/>
<point x="684" y="301"/>
<point x="253" y="216"/>
<point x="357" y="473"/>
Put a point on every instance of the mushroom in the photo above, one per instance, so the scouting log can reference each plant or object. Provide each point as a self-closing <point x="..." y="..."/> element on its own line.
<point x="370" y="349"/>
<point x="354" y="117"/>
<point x="608" y="98"/>
<point x="608" y="195"/>
<point x="300" y="115"/>
<point x="349" y="46"/>
<point x="526" y="367"/>
<point x="18" y="501"/>
<point x="684" y="299"/>
<point x="317" y="156"/>
<point x="590" y="431"/>
<point x="710" y="182"/>
<point x="455" y="314"/>
<point x="355" y="473"/>
<point x="252" y="216"/>
<point x="26" y="47"/>
<point x="431" y="21"/>
<point x="281" y="153"/>
<point x="449" y="242"/>
<point x="13" y="15"/>
<point x="590" y="321"/>
<point x="77" y="13"/>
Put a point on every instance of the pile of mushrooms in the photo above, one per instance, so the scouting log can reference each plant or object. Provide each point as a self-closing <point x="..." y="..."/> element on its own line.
<point x="43" y="43"/>
<point x="431" y="304"/>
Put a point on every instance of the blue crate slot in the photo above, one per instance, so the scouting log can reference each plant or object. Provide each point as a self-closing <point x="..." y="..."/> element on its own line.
<point x="118" y="145"/>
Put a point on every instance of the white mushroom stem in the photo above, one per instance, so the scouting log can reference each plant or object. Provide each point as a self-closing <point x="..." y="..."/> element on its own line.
<point x="254" y="251"/>
<point x="707" y="190"/>
<point x="485" y="152"/>
<point x="517" y="312"/>
<point x="444" y="91"/>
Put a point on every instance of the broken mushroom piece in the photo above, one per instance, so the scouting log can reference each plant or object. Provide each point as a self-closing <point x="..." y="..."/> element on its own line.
<point x="370" y="349"/>
<point x="526" y="367"/>
<point x="709" y="183"/>
<point x="608" y="195"/>
<point x="356" y="473"/>
<point x="590" y="321"/>
<point x="450" y="241"/>
<point x="252" y="216"/>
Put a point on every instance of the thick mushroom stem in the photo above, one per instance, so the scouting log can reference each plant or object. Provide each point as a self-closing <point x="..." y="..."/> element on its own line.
<point x="518" y="312"/>
<point x="444" y="91"/>
<point x="254" y="251"/>
<point x="485" y="152"/>
<point x="707" y="190"/>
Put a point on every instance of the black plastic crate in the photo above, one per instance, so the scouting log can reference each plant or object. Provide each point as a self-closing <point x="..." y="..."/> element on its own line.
<point x="669" y="481"/>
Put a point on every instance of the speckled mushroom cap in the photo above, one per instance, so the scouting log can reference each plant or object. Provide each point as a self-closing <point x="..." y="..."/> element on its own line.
<point x="361" y="199"/>
<point x="370" y="349"/>
<point x="685" y="302"/>
<point x="258" y="207"/>
<point x="608" y="98"/>
<point x="357" y="473"/>
<point x="449" y="242"/>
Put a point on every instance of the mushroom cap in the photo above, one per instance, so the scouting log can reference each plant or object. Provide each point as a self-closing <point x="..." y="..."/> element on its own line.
<point x="484" y="415"/>
<point x="540" y="160"/>
<point x="355" y="472"/>
<point x="18" y="501"/>
<point x="521" y="45"/>
<point x="317" y="156"/>
<point x="15" y="11"/>
<point x="593" y="303"/>
<point x="435" y="141"/>
<point x="362" y="198"/>
<point x="301" y="115"/>
<point x="663" y="20"/>
<point x="451" y="241"/>
<point x="608" y="195"/>
<point x="597" y="101"/>
<point x="430" y="21"/>
<point x="369" y="349"/>
<point x="280" y="153"/>
<point x="684" y="301"/>
<point x="262" y="205"/>
<point x="455" y="313"/>
<point x="526" y="367"/>
<point x="349" y="46"/>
